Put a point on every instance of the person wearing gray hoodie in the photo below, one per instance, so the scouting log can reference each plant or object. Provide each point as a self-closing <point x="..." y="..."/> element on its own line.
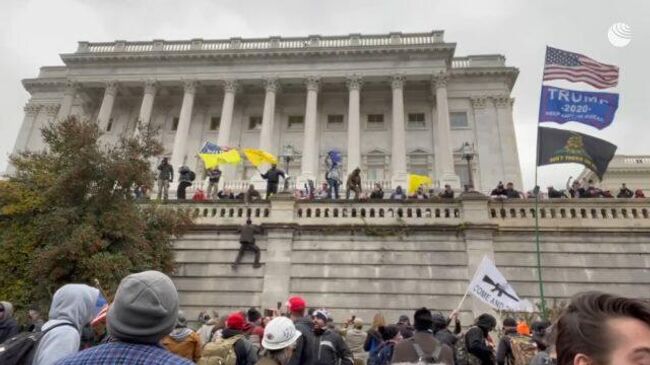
<point x="8" y="325"/>
<point x="74" y="304"/>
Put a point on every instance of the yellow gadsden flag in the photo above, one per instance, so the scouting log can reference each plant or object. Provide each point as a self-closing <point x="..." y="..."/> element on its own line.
<point x="259" y="157"/>
<point x="211" y="160"/>
<point x="416" y="180"/>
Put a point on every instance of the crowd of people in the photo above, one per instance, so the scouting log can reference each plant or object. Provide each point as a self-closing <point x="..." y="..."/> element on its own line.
<point x="330" y="188"/>
<point x="143" y="325"/>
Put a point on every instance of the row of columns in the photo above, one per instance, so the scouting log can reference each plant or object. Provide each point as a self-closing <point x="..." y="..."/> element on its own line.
<point x="309" y="163"/>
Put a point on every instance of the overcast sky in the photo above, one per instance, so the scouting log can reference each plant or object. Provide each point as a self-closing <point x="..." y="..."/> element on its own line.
<point x="34" y="32"/>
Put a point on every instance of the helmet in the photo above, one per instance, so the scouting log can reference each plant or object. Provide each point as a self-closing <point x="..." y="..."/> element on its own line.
<point x="279" y="333"/>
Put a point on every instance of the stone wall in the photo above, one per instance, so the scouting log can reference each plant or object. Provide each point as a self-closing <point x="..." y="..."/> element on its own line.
<point x="360" y="258"/>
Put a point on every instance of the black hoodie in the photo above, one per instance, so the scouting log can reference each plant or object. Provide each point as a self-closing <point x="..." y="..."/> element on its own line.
<point x="303" y="354"/>
<point x="476" y="339"/>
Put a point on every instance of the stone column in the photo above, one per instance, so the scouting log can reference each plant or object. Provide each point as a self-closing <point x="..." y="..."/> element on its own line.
<point x="268" y="116"/>
<point x="398" y="151"/>
<point x="479" y="242"/>
<point x="509" y="152"/>
<point x="354" y="84"/>
<point x="184" y="120"/>
<point x="69" y="93"/>
<point x="106" y="109"/>
<point x="487" y="143"/>
<point x="277" y="266"/>
<point x="31" y="112"/>
<point x="150" y="89"/>
<point x="309" y="151"/>
<point x="223" y="137"/>
<point x="227" y="108"/>
<point x="443" y="149"/>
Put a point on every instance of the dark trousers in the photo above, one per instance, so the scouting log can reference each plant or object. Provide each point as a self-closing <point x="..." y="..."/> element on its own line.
<point x="180" y="192"/>
<point x="355" y="190"/>
<point x="333" y="188"/>
<point x="271" y="189"/>
<point x="247" y="246"/>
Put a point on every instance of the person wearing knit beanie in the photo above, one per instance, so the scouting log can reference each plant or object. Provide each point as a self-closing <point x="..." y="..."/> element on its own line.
<point x="144" y="310"/>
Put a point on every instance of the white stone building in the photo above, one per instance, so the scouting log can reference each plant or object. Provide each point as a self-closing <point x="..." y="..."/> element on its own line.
<point x="633" y="170"/>
<point x="393" y="104"/>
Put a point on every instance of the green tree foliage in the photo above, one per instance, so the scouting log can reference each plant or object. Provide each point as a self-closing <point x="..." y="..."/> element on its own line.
<point x="69" y="215"/>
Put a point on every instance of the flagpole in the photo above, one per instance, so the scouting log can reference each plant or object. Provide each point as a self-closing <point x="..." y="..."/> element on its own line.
<point x="537" y="246"/>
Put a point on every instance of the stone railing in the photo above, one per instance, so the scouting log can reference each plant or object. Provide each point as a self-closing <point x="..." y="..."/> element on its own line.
<point x="470" y="210"/>
<point x="479" y="61"/>
<point x="595" y="213"/>
<point x="312" y="41"/>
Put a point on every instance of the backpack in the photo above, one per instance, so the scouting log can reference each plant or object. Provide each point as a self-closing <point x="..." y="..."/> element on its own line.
<point x="21" y="349"/>
<point x="523" y="349"/>
<point x="221" y="352"/>
<point x="382" y="355"/>
<point x="192" y="175"/>
<point x="463" y="356"/>
<point x="427" y="358"/>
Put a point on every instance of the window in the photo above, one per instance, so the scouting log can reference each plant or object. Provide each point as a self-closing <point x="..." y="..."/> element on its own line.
<point x="254" y="122"/>
<point x="458" y="120"/>
<point x="296" y="122"/>
<point x="375" y="120"/>
<point x="463" y="174"/>
<point x="416" y="120"/>
<point x="418" y="164"/>
<point x="215" y="122"/>
<point x="109" y="126"/>
<point x="175" y="124"/>
<point x="376" y="165"/>
<point x="335" y="121"/>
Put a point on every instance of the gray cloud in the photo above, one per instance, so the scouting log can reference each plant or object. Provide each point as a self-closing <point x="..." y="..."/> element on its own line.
<point x="34" y="32"/>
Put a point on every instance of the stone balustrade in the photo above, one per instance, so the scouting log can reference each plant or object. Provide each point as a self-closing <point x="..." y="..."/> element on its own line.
<point x="554" y="214"/>
<point x="312" y="41"/>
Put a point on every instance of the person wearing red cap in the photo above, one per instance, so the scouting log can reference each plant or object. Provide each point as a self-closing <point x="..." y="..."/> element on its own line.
<point x="245" y="351"/>
<point x="302" y="355"/>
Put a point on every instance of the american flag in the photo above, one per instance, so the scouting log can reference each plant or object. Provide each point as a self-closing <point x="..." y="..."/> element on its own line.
<point x="574" y="67"/>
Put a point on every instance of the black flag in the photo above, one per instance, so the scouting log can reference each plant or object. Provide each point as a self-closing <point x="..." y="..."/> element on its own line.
<point x="562" y="146"/>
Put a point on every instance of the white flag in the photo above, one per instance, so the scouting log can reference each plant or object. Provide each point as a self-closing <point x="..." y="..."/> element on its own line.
<point x="492" y="288"/>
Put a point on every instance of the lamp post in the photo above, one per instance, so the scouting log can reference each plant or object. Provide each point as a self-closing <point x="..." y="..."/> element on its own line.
<point x="288" y="154"/>
<point x="467" y="151"/>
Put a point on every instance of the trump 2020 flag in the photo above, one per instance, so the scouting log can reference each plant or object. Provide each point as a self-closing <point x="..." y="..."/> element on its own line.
<point x="493" y="289"/>
<point x="590" y="108"/>
<point x="563" y="146"/>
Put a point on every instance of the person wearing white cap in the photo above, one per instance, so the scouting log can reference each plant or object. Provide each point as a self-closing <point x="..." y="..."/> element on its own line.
<point x="280" y="336"/>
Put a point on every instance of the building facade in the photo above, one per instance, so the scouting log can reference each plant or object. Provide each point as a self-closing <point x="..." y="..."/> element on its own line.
<point x="393" y="104"/>
<point x="632" y="170"/>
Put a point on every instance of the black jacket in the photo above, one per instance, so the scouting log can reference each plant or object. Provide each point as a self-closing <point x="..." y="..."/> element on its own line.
<point x="303" y="354"/>
<point x="476" y="345"/>
<point x="245" y="351"/>
<point x="504" y="350"/>
<point x="273" y="175"/>
<point x="330" y="349"/>
<point x="247" y="233"/>
<point x="8" y="329"/>
<point x="166" y="172"/>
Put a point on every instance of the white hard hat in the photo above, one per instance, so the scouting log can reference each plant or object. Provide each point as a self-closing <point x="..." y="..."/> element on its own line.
<point x="279" y="333"/>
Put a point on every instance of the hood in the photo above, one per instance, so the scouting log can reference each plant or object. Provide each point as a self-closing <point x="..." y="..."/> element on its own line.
<point x="486" y="322"/>
<point x="74" y="303"/>
<point x="9" y="311"/>
<point x="180" y="334"/>
<point x="439" y="322"/>
<point x="229" y="332"/>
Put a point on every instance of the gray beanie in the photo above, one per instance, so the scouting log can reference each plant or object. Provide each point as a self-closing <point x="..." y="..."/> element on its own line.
<point x="145" y="308"/>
